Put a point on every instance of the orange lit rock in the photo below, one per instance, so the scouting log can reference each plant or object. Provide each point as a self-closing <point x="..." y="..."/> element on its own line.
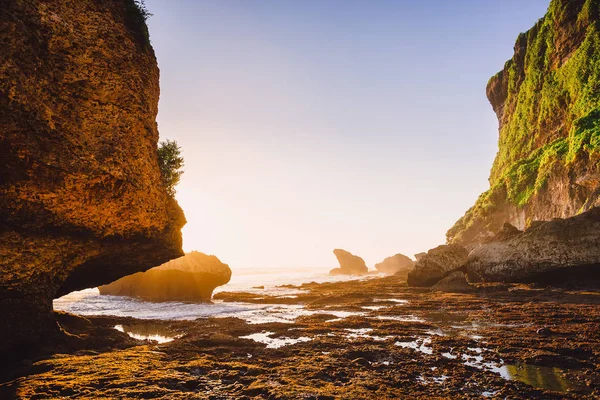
<point x="82" y="201"/>
<point x="349" y="264"/>
<point x="189" y="278"/>
<point x="394" y="264"/>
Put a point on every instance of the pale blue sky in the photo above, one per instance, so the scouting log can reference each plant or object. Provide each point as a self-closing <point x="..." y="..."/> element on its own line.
<point x="316" y="124"/>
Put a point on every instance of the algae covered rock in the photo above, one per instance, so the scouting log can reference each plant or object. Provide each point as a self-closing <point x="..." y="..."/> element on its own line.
<point x="394" y="264"/>
<point x="438" y="262"/>
<point x="82" y="201"/>
<point x="557" y="250"/>
<point x="192" y="277"/>
<point x="349" y="264"/>
<point x="547" y="102"/>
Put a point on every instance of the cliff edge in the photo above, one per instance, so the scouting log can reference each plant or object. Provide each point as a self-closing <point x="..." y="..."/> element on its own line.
<point x="82" y="202"/>
<point x="547" y="99"/>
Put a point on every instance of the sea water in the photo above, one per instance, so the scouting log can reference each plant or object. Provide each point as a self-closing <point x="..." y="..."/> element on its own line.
<point x="90" y="302"/>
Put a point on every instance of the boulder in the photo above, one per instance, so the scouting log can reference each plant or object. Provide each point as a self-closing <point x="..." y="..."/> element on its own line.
<point x="506" y="232"/>
<point x="455" y="282"/>
<point x="436" y="264"/>
<point x="349" y="264"/>
<point x="394" y="264"/>
<point x="418" y="256"/>
<point x="558" y="249"/>
<point x="192" y="277"/>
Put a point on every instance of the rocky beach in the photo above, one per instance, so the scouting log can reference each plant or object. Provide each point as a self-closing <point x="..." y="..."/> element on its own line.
<point x="375" y="338"/>
<point x="98" y="299"/>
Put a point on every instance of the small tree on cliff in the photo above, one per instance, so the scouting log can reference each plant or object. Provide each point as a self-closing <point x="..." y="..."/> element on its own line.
<point x="170" y="163"/>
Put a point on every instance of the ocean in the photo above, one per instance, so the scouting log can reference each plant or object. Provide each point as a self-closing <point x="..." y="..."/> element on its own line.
<point x="89" y="301"/>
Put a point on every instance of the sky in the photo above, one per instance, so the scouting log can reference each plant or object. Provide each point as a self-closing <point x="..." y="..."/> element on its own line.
<point x="319" y="124"/>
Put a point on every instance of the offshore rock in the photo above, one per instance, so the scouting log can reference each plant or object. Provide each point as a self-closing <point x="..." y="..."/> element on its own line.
<point x="438" y="262"/>
<point x="82" y="201"/>
<point x="349" y="264"/>
<point x="556" y="250"/>
<point x="394" y="264"/>
<point x="192" y="277"/>
<point x="548" y="109"/>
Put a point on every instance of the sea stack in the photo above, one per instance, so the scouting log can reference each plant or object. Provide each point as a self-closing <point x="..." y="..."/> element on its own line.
<point x="192" y="277"/>
<point x="349" y="264"/>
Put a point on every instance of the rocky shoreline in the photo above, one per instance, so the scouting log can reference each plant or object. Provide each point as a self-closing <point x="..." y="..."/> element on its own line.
<point x="375" y="338"/>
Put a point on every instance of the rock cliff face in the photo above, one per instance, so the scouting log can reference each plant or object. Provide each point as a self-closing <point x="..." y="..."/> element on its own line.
<point x="192" y="277"/>
<point x="547" y="99"/>
<point x="554" y="251"/>
<point x="82" y="202"/>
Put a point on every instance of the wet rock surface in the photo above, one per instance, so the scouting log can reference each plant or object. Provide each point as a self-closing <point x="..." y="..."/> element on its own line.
<point x="188" y="278"/>
<point x="393" y="341"/>
<point x="349" y="264"/>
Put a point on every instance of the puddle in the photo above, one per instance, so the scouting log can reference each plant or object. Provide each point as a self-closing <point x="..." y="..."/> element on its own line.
<point x="438" y="380"/>
<point x="398" y="301"/>
<point x="340" y="314"/>
<point x="420" y="344"/>
<point x="365" y="333"/>
<point x="479" y="363"/>
<point x="449" y="356"/>
<point x="548" y="378"/>
<point x="401" y="318"/>
<point x="155" y="332"/>
<point x="435" y="332"/>
<point x="374" y="308"/>
<point x="489" y="393"/>
<point x="545" y="378"/>
<point x="274" y="343"/>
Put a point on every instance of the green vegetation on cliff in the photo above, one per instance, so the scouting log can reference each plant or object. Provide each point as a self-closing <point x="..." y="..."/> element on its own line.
<point x="547" y="87"/>
<point x="547" y="99"/>
<point x="136" y="17"/>
<point x="170" y="163"/>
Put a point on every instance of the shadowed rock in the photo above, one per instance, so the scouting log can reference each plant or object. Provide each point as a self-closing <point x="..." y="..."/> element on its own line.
<point x="455" y="282"/>
<point x="556" y="247"/>
<point x="192" y="277"/>
<point x="434" y="265"/>
<point x="349" y="264"/>
<point x="394" y="264"/>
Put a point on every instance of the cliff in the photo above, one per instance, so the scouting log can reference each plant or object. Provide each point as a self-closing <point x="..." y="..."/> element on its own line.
<point x="82" y="201"/>
<point x="547" y="99"/>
